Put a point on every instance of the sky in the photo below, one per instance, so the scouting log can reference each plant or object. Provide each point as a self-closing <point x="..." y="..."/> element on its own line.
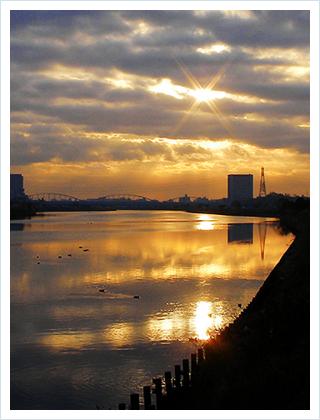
<point x="159" y="103"/>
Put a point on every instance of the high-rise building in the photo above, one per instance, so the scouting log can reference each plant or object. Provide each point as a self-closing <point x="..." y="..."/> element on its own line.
<point x="16" y="187"/>
<point x="240" y="187"/>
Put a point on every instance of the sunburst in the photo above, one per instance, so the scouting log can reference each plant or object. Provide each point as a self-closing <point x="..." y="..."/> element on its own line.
<point x="204" y="94"/>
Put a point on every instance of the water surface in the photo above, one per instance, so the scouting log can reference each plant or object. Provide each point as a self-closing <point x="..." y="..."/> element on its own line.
<point x="103" y="301"/>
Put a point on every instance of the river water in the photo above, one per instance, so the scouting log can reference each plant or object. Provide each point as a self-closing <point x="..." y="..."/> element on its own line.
<point x="101" y="302"/>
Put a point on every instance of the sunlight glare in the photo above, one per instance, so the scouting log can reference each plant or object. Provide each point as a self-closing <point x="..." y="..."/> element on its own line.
<point x="166" y="87"/>
<point x="205" y="95"/>
<point x="217" y="322"/>
<point x="214" y="48"/>
<point x="203" y="320"/>
<point x="205" y="222"/>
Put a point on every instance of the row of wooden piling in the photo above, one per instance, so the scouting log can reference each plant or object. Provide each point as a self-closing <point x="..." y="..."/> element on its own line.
<point x="182" y="380"/>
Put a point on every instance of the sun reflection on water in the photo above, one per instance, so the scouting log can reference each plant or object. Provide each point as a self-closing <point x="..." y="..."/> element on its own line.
<point x="218" y="322"/>
<point x="205" y="222"/>
<point x="207" y="319"/>
<point x="203" y="320"/>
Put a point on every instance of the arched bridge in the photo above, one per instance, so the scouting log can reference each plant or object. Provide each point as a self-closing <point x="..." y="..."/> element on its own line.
<point x="124" y="197"/>
<point x="52" y="196"/>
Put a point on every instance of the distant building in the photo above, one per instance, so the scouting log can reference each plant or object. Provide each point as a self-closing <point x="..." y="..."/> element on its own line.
<point x="185" y="199"/>
<point x="201" y="200"/>
<point x="240" y="187"/>
<point x="16" y="187"/>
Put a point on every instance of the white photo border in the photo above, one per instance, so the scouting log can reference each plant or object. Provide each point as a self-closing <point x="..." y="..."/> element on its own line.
<point x="6" y="7"/>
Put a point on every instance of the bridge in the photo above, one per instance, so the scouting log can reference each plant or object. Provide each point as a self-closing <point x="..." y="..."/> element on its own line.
<point x="125" y="196"/>
<point x="56" y="196"/>
<point x="52" y="196"/>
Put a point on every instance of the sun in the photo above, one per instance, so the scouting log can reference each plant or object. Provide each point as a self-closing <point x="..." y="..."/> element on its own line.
<point x="206" y="95"/>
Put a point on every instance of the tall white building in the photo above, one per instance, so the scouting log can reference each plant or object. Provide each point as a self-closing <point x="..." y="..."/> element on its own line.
<point x="240" y="187"/>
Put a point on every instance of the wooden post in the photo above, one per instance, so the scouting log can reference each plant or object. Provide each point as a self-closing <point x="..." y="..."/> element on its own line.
<point x="122" y="406"/>
<point x="177" y="376"/>
<point x="200" y="356"/>
<point x="185" y="373"/>
<point x="193" y="368"/>
<point x="134" y="402"/>
<point x="158" y="391"/>
<point x="168" y="381"/>
<point x="147" y="397"/>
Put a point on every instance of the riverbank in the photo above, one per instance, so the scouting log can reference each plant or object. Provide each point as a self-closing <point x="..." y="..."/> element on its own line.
<point x="261" y="361"/>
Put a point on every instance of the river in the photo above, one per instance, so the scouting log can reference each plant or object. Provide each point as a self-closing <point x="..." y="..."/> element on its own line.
<point x="101" y="302"/>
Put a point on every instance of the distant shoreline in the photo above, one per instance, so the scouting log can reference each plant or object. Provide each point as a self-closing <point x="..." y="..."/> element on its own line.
<point x="272" y="206"/>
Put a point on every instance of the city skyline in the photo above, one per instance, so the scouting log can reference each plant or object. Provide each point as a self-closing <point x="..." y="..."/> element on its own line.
<point x="239" y="187"/>
<point x="159" y="103"/>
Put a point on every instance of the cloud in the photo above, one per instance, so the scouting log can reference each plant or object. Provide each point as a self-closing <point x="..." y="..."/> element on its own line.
<point x="80" y="77"/>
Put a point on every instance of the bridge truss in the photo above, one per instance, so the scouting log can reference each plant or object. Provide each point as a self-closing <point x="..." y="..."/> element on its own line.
<point x="52" y="196"/>
<point x="124" y="197"/>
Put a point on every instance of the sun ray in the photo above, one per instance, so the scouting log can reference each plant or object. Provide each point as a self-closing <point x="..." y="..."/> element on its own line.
<point x="194" y="82"/>
<point x="215" y="110"/>
<point x="194" y="107"/>
<point x="215" y="79"/>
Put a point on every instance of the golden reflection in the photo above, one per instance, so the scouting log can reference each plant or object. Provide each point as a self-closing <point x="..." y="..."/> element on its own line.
<point x="173" y="326"/>
<point x="167" y="325"/>
<point x="205" y="222"/>
<point x="68" y="341"/>
<point x="196" y="253"/>
<point x="119" y="334"/>
<point x="203" y="320"/>
<point x="217" y="321"/>
<point x="116" y="335"/>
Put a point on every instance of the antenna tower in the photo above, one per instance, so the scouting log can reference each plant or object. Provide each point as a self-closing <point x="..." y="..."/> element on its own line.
<point x="262" y="189"/>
